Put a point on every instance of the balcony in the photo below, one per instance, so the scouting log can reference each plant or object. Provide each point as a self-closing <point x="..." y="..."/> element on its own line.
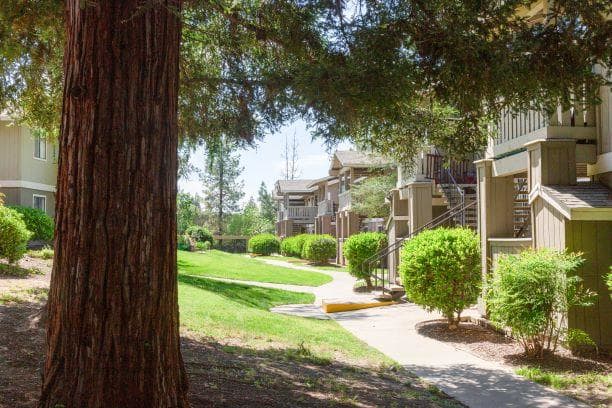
<point x="327" y="207"/>
<point x="344" y="200"/>
<point x="299" y="215"/>
<point x="514" y="130"/>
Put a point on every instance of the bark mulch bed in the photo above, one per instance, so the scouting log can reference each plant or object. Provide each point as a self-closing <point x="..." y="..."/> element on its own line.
<point x="225" y="376"/>
<point x="492" y="345"/>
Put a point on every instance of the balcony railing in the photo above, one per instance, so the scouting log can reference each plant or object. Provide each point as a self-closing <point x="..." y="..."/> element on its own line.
<point x="327" y="207"/>
<point x="576" y="123"/>
<point x="344" y="200"/>
<point x="303" y="214"/>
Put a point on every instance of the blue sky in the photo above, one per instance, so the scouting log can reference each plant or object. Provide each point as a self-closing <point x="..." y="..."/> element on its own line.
<point x="264" y="162"/>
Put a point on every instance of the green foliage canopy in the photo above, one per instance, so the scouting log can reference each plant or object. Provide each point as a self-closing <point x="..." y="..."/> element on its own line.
<point x="368" y="197"/>
<point x="37" y="222"/>
<point x="390" y="74"/>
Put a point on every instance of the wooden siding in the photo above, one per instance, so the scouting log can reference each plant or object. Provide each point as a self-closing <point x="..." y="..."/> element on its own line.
<point x="548" y="226"/>
<point x="594" y="240"/>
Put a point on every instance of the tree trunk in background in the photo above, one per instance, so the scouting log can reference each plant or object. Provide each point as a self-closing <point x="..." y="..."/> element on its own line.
<point x="113" y="329"/>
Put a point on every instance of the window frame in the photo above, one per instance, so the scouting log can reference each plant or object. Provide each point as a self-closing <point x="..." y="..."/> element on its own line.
<point x="38" y="140"/>
<point x="44" y="197"/>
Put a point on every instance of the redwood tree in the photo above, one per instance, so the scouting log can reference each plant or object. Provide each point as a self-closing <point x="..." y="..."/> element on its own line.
<point x="113" y="330"/>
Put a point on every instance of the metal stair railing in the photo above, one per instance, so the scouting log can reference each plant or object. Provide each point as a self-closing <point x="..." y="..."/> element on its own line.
<point x="376" y="265"/>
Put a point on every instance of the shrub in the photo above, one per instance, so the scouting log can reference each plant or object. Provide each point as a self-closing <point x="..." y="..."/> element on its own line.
<point x="360" y="247"/>
<point x="264" y="244"/>
<point x="14" y="235"/>
<point x="183" y="243"/>
<point x="293" y="246"/>
<point x="199" y="234"/>
<point x="440" y="270"/>
<point x="579" y="342"/>
<point x="531" y="294"/>
<point x="37" y="222"/>
<point x="319" y="248"/>
<point x="45" y="253"/>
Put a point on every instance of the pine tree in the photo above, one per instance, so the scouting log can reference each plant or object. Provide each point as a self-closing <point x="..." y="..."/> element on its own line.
<point x="222" y="187"/>
<point x="267" y="206"/>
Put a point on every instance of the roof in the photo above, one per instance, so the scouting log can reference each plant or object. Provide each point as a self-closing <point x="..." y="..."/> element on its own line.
<point x="321" y="180"/>
<point x="586" y="201"/>
<point x="294" y="186"/>
<point x="355" y="158"/>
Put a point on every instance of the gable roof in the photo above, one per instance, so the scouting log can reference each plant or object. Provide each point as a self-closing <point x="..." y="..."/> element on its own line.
<point x="294" y="186"/>
<point x="586" y="201"/>
<point x="360" y="159"/>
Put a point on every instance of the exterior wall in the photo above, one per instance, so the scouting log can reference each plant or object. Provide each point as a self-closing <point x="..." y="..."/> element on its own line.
<point x="548" y="226"/>
<point x="21" y="175"/>
<point x="10" y="152"/>
<point x="593" y="239"/>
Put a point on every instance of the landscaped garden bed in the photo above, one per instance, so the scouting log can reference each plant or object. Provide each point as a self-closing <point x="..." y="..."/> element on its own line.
<point x="586" y="378"/>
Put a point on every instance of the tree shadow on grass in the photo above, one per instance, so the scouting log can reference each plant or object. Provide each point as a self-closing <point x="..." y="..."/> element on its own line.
<point x="251" y="296"/>
<point x="225" y="376"/>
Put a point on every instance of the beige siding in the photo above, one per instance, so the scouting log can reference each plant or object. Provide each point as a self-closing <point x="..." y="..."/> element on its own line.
<point x="604" y="120"/>
<point x="10" y="148"/>
<point x="594" y="240"/>
<point x="548" y="226"/>
<point x="35" y="170"/>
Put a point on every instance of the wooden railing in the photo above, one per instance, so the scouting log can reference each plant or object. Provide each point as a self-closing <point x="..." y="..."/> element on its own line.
<point x="462" y="171"/>
<point x="327" y="207"/>
<point x="303" y="213"/>
<point x="344" y="200"/>
<point x="514" y="125"/>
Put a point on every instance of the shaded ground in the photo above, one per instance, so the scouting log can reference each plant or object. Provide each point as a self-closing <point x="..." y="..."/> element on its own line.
<point x="587" y="379"/>
<point x="28" y="273"/>
<point x="225" y="376"/>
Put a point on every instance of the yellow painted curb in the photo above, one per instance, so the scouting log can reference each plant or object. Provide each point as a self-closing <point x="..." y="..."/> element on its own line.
<point x="339" y="306"/>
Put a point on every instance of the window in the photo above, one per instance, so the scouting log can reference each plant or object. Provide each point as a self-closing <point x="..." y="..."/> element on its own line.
<point x="40" y="148"/>
<point x="40" y="202"/>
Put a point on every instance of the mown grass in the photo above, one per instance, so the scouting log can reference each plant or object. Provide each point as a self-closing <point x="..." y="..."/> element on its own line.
<point x="233" y="313"/>
<point x="236" y="266"/>
<point x="303" y="262"/>
<point x="23" y="295"/>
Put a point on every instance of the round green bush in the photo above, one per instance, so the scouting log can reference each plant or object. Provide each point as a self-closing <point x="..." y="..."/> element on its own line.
<point x="14" y="235"/>
<point x="293" y="246"/>
<point x="319" y="248"/>
<point x="532" y="292"/>
<point x="440" y="270"/>
<point x="360" y="247"/>
<point x="264" y="244"/>
<point x="37" y="222"/>
<point x="183" y="243"/>
<point x="199" y="234"/>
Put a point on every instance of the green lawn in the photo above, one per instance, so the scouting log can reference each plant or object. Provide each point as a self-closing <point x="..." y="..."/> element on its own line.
<point x="230" y="313"/>
<point x="298" y="261"/>
<point x="237" y="266"/>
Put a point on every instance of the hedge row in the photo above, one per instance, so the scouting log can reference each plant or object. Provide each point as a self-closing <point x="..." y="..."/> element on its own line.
<point x="14" y="235"/>
<point x="313" y="247"/>
<point x="264" y="244"/>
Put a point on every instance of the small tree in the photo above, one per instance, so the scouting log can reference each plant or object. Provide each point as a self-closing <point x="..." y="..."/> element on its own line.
<point x="532" y="293"/>
<point x="359" y="248"/>
<point x="368" y="197"/>
<point x="440" y="270"/>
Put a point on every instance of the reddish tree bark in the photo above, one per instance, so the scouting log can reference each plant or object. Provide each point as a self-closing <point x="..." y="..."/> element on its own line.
<point x="113" y="330"/>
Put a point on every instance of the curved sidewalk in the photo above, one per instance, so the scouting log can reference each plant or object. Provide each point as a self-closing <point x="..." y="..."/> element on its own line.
<point x="476" y="382"/>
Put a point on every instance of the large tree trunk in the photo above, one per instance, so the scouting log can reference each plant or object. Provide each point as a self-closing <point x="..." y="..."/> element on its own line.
<point x="113" y="329"/>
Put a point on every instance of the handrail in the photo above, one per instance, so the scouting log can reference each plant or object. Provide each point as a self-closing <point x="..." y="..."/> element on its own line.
<point x="525" y="223"/>
<point x="371" y="262"/>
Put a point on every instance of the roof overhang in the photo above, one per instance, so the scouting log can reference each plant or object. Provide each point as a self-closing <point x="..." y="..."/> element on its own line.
<point x="571" y="213"/>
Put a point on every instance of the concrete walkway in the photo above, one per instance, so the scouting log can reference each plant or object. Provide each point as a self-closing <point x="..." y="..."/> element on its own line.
<point x="476" y="382"/>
